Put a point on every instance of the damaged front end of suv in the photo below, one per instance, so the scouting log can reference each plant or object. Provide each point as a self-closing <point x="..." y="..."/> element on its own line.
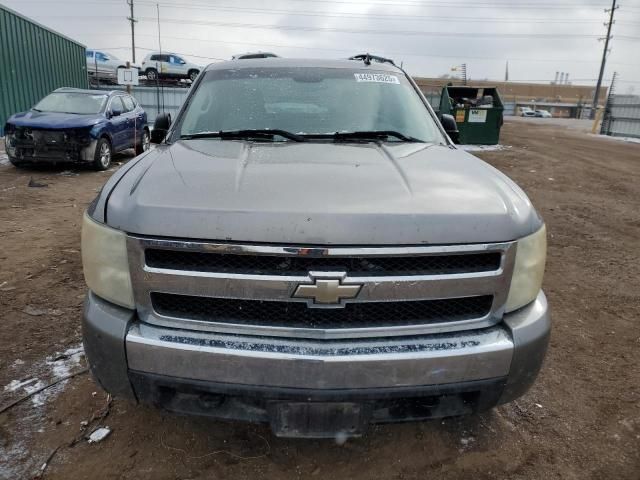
<point x="27" y="144"/>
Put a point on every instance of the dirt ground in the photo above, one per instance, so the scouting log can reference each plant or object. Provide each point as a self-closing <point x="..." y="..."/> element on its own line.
<point x="581" y="420"/>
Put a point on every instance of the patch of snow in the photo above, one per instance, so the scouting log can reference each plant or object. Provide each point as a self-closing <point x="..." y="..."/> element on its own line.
<point x="15" y="458"/>
<point x="483" y="148"/>
<point x="55" y="367"/>
<point x="12" y="455"/>
<point x="4" y="159"/>
<point x="39" y="398"/>
<point x="16" y="384"/>
<point x="62" y="364"/>
<point x="620" y="139"/>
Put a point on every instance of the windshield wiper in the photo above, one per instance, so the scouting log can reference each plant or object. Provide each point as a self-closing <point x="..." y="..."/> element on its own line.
<point x="261" y="133"/>
<point x="374" y="135"/>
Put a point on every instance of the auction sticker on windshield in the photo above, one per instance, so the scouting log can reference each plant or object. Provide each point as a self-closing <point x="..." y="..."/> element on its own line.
<point x="377" y="78"/>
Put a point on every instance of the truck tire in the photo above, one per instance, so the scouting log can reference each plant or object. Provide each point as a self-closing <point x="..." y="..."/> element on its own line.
<point x="17" y="163"/>
<point x="102" y="156"/>
<point x="145" y="142"/>
<point x="152" y="74"/>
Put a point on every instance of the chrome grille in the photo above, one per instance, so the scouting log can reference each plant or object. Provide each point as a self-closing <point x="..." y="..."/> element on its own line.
<point x="249" y="289"/>
<point x="287" y="265"/>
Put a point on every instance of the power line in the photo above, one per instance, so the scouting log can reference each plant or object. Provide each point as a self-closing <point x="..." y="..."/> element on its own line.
<point x="386" y="16"/>
<point x="449" y="4"/>
<point x="405" y="3"/>
<point x="422" y="18"/>
<point x="372" y="31"/>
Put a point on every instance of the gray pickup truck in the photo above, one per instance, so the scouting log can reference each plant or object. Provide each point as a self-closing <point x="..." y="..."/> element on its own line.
<point x="305" y="246"/>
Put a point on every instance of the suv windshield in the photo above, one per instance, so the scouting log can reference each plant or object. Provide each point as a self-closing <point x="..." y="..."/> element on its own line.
<point x="72" y="102"/>
<point x="307" y="101"/>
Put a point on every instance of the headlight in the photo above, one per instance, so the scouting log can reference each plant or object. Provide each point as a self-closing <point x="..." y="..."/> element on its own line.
<point x="528" y="271"/>
<point x="105" y="263"/>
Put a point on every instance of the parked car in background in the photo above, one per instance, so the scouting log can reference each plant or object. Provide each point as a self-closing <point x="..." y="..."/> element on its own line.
<point x="250" y="55"/>
<point x="527" y="113"/>
<point x="104" y="65"/>
<point x="73" y="125"/>
<point x="542" y="114"/>
<point x="169" y="65"/>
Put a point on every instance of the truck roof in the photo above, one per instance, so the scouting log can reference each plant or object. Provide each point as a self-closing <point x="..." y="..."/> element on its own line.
<point x="302" y="62"/>
<point x="84" y="90"/>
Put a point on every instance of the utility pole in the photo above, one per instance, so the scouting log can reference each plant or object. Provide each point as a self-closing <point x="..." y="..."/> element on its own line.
<point x="604" y="57"/>
<point x="133" y="35"/>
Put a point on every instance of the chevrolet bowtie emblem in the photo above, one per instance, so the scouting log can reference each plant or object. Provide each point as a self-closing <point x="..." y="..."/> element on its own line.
<point x="326" y="291"/>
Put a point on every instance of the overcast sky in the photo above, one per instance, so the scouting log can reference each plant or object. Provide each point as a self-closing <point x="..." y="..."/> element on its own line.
<point x="537" y="37"/>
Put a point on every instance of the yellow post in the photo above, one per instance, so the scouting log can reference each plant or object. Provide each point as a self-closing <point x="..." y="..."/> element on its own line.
<point x="596" y="120"/>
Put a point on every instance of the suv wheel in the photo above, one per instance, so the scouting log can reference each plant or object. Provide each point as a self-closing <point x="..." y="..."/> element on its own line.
<point x="17" y="163"/>
<point x="193" y="74"/>
<point x="102" y="157"/>
<point x="152" y="74"/>
<point x="145" y="142"/>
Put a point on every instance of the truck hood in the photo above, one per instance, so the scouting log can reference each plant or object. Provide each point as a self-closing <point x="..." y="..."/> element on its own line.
<point x="317" y="193"/>
<point x="51" y="120"/>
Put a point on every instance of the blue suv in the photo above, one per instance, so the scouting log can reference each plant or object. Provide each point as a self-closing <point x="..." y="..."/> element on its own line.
<point x="73" y="125"/>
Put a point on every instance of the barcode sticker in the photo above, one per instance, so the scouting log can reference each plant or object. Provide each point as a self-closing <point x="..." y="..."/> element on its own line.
<point x="377" y="78"/>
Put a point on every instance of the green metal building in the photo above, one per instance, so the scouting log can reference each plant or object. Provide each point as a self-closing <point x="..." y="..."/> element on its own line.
<point x="34" y="60"/>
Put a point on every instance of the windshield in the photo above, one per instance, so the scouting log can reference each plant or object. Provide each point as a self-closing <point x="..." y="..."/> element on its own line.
<point x="307" y="100"/>
<point x="72" y="102"/>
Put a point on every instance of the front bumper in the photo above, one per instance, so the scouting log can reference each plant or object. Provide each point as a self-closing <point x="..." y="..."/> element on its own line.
<point x="69" y="152"/>
<point x="243" y="378"/>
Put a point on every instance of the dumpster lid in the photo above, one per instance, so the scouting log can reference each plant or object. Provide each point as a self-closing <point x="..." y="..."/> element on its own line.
<point x="473" y="97"/>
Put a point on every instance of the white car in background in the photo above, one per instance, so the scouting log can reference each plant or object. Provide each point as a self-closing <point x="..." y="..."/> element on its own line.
<point x="104" y="65"/>
<point x="543" y="114"/>
<point x="527" y="112"/>
<point x="169" y="65"/>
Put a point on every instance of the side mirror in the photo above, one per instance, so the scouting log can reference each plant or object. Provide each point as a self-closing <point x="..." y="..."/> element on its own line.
<point x="160" y="127"/>
<point x="116" y="112"/>
<point x="450" y="126"/>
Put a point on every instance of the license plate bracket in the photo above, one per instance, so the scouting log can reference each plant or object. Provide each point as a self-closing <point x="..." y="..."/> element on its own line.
<point x="317" y="419"/>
